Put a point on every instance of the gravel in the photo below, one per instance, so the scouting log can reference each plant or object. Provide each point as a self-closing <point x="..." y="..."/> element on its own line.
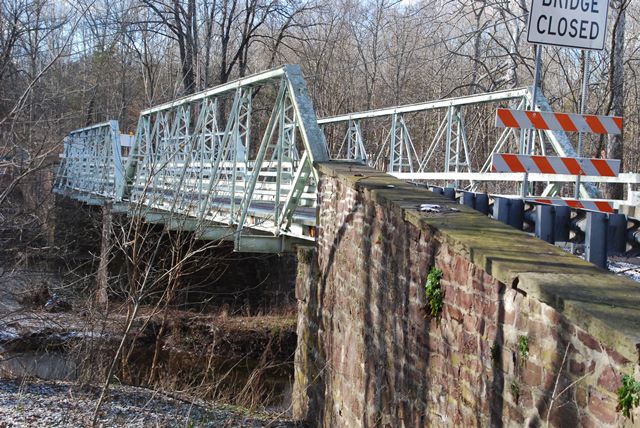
<point x="35" y="403"/>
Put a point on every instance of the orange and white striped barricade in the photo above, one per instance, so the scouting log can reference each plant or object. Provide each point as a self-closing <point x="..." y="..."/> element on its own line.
<point x="588" y="205"/>
<point x="569" y="122"/>
<point x="506" y="162"/>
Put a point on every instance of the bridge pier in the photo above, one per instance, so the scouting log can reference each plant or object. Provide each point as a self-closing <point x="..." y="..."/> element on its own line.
<point x="309" y="385"/>
<point x="74" y="233"/>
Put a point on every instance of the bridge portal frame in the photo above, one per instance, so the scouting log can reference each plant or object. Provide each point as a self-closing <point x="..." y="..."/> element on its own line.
<point x="91" y="162"/>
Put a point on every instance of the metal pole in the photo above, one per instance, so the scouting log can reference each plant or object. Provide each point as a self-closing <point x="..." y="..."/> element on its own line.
<point x="583" y="105"/>
<point x="534" y="95"/>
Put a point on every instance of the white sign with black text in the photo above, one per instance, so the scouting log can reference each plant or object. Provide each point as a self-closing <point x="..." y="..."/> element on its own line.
<point x="572" y="23"/>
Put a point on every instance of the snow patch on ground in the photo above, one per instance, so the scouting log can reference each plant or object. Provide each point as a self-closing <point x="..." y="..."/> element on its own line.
<point x="34" y="403"/>
<point x="623" y="268"/>
<point x="619" y="265"/>
<point x="8" y="334"/>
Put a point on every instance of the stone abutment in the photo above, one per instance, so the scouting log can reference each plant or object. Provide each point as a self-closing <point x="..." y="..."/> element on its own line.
<point x="528" y="334"/>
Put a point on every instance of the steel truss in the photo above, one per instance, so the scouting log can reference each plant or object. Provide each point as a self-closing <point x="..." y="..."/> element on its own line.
<point x="192" y="164"/>
<point x="210" y="164"/>
<point x="449" y="151"/>
<point x="352" y="146"/>
<point x="92" y="161"/>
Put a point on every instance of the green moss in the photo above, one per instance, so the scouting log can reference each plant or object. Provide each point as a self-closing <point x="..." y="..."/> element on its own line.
<point x="523" y="346"/>
<point x="515" y="391"/>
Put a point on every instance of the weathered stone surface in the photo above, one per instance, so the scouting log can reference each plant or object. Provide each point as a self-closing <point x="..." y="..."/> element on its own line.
<point x="369" y="353"/>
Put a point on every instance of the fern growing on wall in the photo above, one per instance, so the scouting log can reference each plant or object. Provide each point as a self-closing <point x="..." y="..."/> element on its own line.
<point x="434" y="293"/>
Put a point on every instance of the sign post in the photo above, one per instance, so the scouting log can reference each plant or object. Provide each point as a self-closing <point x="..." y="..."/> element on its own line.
<point x="583" y="105"/>
<point x="532" y="132"/>
<point x="578" y="24"/>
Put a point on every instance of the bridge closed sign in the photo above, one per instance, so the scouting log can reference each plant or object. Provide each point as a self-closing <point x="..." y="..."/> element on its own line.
<point x="572" y="23"/>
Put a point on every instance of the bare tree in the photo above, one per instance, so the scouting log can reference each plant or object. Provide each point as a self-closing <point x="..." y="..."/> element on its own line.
<point x="181" y="21"/>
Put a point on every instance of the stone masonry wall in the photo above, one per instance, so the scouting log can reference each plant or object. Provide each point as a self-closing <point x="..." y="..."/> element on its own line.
<point x="369" y="355"/>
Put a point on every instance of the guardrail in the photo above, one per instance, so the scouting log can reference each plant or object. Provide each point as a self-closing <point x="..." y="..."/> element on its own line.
<point x="603" y="234"/>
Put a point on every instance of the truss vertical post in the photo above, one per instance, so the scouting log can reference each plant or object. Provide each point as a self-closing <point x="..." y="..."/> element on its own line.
<point x="447" y="153"/>
<point x="393" y="146"/>
<point x="116" y="148"/>
<point x="355" y="144"/>
<point x="241" y="119"/>
<point x="279" y="153"/>
<point x="409" y="148"/>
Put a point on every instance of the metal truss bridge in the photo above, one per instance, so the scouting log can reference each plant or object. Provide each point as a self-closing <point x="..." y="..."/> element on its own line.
<point x="236" y="162"/>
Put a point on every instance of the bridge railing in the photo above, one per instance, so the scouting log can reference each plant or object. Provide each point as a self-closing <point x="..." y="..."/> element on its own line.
<point x="448" y="140"/>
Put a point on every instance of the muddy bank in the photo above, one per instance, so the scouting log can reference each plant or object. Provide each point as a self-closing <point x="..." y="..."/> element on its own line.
<point x="241" y="360"/>
<point x="228" y="335"/>
<point x="233" y="359"/>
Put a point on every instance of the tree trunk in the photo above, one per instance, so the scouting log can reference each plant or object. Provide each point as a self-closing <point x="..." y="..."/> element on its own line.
<point x="102" y="297"/>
